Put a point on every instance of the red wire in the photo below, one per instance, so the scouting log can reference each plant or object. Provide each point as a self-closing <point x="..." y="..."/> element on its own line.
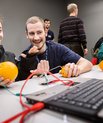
<point x="23" y="116"/>
<point x="36" y="72"/>
<point x="70" y="81"/>
<point x="23" y="104"/>
<point x="37" y="106"/>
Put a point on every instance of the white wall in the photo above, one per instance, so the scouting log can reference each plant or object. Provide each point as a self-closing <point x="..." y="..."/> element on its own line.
<point x="15" y="14"/>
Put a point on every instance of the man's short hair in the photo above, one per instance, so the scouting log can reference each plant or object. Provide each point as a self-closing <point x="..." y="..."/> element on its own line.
<point x="33" y="20"/>
<point x="46" y="19"/>
<point x="71" y="7"/>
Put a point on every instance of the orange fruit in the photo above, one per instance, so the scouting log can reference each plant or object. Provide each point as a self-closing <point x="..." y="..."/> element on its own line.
<point x="8" y="70"/>
<point x="101" y="65"/>
<point x="63" y="72"/>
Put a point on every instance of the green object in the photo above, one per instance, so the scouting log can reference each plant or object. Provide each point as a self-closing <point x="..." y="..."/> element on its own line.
<point x="100" y="53"/>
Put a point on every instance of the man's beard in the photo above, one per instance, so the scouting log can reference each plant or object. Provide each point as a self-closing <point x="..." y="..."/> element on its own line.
<point x="41" y="46"/>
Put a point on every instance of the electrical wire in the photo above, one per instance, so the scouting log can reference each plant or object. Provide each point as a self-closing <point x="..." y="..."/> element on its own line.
<point x="46" y="79"/>
<point x="38" y="106"/>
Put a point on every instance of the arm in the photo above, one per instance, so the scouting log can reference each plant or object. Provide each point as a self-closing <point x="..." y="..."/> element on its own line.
<point x="84" y="65"/>
<point x="27" y="61"/>
<point x="72" y="69"/>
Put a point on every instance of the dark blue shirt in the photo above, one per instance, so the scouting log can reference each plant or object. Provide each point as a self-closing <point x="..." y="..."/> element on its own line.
<point x="50" y="35"/>
<point x="57" y="55"/>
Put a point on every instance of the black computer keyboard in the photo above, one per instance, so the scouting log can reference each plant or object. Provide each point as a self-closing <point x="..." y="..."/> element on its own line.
<point x="85" y="100"/>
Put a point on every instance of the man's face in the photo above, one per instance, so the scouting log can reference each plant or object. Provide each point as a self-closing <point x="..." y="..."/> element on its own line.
<point x="36" y="34"/>
<point x="1" y="32"/>
<point x="47" y="24"/>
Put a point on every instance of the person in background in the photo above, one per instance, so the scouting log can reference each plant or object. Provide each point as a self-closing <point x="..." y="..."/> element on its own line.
<point x="49" y="33"/>
<point x="71" y="31"/>
<point x="98" y="44"/>
<point x="4" y="56"/>
<point x="97" y="52"/>
<point x="46" y="55"/>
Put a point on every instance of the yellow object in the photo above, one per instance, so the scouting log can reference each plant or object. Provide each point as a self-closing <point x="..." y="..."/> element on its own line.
<point x="8" y="70"/>
<point x="63" y="72"/>
<point x="101" y="65"/>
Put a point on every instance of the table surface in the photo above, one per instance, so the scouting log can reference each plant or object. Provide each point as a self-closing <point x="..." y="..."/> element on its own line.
<point x="10" y="105"/>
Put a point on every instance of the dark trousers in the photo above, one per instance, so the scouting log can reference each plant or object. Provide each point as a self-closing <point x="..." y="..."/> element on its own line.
<point x="76" y="47"/>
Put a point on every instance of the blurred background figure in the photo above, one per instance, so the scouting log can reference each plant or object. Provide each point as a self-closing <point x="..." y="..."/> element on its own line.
<point x="97" y="52"/>
<point x="71" y="32"/>
<point x="50" y="34"/>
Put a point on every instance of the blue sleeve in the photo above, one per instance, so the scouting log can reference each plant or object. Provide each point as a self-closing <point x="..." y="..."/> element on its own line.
<point x="61" y="54"/>
<point x="69" y="55"/>
<point x="100" y="53"/>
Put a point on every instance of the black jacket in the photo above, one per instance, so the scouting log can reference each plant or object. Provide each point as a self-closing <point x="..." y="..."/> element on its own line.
<point x="6" y="56"/>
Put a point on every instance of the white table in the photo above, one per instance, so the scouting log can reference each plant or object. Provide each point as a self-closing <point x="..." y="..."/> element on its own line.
<point x="10" y="105"/>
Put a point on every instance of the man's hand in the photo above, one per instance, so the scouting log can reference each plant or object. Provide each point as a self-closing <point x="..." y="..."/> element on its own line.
<point x="42" y="68"/>
<point x="70" y="70"/>
<point x="85" y="51"/>
<point x="43" y="65"/>
<point x="5" y="82"/>
<point x="33" y="50"/>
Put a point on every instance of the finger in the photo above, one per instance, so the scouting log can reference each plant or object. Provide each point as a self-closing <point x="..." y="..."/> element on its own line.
<point x="75" y="71"/>
<point x="23" y="55"/>
<point x="78" y="71"/>
<point x="40" y="69"/>
<point x="9" y="82"/>
<point x="1" y="79"/>
<point x="42" y="65"/>
<point x="39" y="66"/>
<point x="46" y="65"/>
<point x="66" y="70"/>
<point x="67" y="66"/>
<point x="5" y="82"/>
<point x="33" y="50"/>
<point x="31" y="71"/>
<point x="71" y="69"/>
<point x="35" y="73"/>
